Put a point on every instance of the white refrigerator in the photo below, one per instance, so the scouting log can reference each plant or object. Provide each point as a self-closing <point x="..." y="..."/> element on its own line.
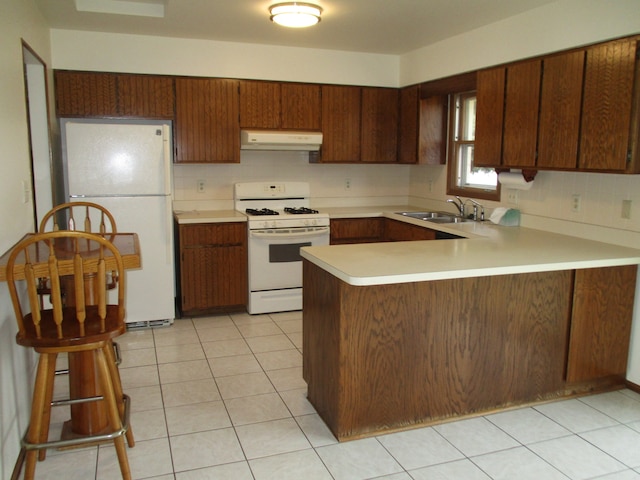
<point x="126" y="167"/>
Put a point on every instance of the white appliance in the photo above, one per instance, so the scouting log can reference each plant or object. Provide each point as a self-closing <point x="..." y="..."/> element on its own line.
<point x="280" y="222"/>
<point x="126" y="167"/>
<point x="280" y="140"/>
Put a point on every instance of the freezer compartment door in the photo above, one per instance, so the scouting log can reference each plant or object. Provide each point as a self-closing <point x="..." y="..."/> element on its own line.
<point x="150" y="292"/>
<point x="117" y="158"/>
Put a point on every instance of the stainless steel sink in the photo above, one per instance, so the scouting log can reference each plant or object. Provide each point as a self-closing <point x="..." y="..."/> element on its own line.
<point x="435" y="217"/>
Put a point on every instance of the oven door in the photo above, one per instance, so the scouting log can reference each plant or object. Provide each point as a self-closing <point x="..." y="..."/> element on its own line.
<point x="274" y="255"/>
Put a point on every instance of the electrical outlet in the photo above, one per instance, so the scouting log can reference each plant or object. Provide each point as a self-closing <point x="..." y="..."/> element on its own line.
<point x="512" y="196"/>
<point x="201" y="187"/>
<point x="626" y="209"/>
<point x="347" y="184"/>
<point x="576" y="203"/>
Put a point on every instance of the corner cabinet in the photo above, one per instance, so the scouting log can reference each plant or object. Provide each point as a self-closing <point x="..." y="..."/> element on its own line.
<point x="207" y="125"/>
<point x="576" y="110"/>
<point x="212" y="267"/>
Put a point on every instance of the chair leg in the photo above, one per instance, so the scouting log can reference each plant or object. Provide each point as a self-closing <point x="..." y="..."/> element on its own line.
<point x="37" y="407"/>
<point x="46" y="413"/>
<point x="112" y="410"/>
<point x="117" y="388"/>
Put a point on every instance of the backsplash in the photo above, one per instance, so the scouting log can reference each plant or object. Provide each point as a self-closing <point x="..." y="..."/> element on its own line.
<point x="549" y="199"/>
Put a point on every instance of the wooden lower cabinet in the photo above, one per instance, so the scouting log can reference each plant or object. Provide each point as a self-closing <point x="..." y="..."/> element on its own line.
<point x="357" y="230"/>
<point x="212" y="267"/>
<point x="388" y="357"/>
<point x="396" y="231"/>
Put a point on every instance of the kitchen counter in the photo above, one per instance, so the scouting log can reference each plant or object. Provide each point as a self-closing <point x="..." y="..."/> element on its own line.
<point x="208" y="216"/>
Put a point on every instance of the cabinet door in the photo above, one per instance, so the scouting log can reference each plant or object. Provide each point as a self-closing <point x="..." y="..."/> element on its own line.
<point x="301" y="106"/>
<point x="408" y="124"/>
<point x="357" y="230"/>
<point x="259" y="104"/>
<point x="607" y="105"/>
<point x="489" y="117"/>
<point x="379" y="129"/>
<point x="146" y="96"/>
<point x="560" y="105"/>
<point x="213" y="267"/>
<point x="432" y="146"/>
<point x="522" y="99"/>
<point x="396" y="231"/>
<point x="207" y="125"/>
<point x="85" y="94"/>
<point x="340" y="123"/>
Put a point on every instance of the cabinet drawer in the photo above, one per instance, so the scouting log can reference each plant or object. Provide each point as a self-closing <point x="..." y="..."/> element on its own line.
<point x="225" y="234"/>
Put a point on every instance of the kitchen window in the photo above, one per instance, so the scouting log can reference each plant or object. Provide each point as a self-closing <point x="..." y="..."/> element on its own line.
<point x="462" y="177"/>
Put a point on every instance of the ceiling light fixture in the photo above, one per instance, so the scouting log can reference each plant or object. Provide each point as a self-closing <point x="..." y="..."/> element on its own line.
<point x="295" y="14"/>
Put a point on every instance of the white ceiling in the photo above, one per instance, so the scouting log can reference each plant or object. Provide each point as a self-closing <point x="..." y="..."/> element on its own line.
<point x="374" y="26"/>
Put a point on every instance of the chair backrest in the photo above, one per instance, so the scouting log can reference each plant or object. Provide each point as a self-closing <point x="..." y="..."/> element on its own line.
<point x="68" y="260"/>
<point x="82" y="216"/>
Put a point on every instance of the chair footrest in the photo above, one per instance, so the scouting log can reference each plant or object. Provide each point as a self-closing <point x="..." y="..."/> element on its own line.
<point x="72" y="442"/>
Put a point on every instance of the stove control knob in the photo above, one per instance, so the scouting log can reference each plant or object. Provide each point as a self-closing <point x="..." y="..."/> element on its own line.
<point x="314" y="221"/>
<point x="305" y="222"/>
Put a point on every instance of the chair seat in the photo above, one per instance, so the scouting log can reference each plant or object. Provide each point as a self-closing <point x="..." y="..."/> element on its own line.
<point x="71" y="329"/>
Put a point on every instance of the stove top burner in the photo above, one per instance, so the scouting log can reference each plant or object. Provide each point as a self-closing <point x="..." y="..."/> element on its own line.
<point x="264" y="211"/>
<point x="300" y="210"/>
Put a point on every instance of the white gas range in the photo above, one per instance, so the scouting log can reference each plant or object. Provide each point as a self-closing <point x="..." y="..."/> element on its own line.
<point x="280" y="222"/>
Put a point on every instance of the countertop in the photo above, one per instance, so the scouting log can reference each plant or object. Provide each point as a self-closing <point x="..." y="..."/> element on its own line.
<point x="487" y="249"/>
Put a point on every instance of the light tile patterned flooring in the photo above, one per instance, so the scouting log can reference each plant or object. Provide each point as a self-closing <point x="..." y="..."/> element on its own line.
<point x="223" y="398"/>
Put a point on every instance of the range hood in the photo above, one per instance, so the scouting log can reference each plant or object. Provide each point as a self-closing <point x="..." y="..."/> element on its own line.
<point x="280" y="140"/>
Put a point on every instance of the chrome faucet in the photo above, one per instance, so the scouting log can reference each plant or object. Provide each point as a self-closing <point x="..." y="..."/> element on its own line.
<point x="459" y="204"/>
<point x="477" y="206"/>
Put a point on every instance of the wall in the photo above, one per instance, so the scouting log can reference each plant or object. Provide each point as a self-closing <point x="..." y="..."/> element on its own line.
<point x="19" y="19"/>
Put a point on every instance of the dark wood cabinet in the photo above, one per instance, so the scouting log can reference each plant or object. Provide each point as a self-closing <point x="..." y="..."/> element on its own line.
<point x="409" y="124"/>
<point x="357" y="230"/>
<point x="276" y="105"/>
<point x="379" y="128"/>
<point x="396" y="231"/>
<point x="608" y="105"/>
<point x="85" y="94"/>
<point x="560" y="106"/>
<point x="576" y="110"/>
<point x="212" y="267"/>
<point x="341" y="120"/>
<point x="91" y="94"/>
<point x="207" y="126"/>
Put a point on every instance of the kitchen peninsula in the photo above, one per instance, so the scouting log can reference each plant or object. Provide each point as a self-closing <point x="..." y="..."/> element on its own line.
<point x="410" y="333"/>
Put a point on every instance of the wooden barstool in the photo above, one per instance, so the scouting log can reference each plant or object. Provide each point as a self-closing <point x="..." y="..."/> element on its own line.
<point x="69" y="329"/>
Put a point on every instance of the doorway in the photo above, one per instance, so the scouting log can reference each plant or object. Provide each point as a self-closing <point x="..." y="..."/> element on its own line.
<point x="41" y="188"/>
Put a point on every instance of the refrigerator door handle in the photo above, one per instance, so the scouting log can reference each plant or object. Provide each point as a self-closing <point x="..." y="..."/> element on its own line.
<point x="166" y="153"/>
<point x="169" y="215"/>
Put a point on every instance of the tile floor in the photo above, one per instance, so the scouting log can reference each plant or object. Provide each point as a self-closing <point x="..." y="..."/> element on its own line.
<point x="223" y="398"/>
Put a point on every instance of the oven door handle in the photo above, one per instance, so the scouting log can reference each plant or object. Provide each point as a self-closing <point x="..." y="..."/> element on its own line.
<point x="312" y="232"/>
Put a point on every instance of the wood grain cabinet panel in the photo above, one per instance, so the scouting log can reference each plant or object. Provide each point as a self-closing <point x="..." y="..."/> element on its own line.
<point x="608" y="105"/>
<point x="341" y="120"/>
<point x="85" y="94"/>
<point x="259" y="104"/>
<point x="520" y="129"/>
<point x="207" y="125"/>
<point x="379" y="129"/>
<point x="301" y="106"/>
<point x="396" y="231"/>
<point x="601" y="323"/>
<point x="560" y="107"/>
<point x="147" y="96"/>
<point x="489" y="117"/>
<point x="212" y="267"/>
<point x="356" y="230"/>
<point x="408" y="124"/>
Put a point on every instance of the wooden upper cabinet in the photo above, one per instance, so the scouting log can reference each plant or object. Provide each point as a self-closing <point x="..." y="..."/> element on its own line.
<point x="408" y="124"/>
<point x="148" y="96"/>
<point x="341" y="113"/>
<point x="489" y="117"/>
<point x="274" y="105"/>
<point x="207" y="126"/>
<point x="520" y="129"/>
<point x="91" y="94"/>
<point x="560" y="105"/>
<point x="379" y="129"/>
<point x="608" y="105"/>
<point x="432" y="146"/>
<point x="85" y="94"/>
<point x="259" y="104"/>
